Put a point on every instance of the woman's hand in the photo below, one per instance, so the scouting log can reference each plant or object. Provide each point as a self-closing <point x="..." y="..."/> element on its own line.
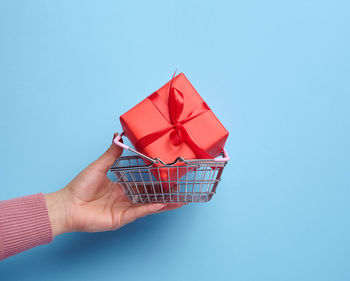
<point x="91" y="202"/>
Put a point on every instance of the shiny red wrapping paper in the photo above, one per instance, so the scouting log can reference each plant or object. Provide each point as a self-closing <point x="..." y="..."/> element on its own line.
<point x="174" y="121"/>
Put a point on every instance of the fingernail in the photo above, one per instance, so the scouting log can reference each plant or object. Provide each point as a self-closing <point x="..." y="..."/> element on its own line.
<point x="159" y="206"/>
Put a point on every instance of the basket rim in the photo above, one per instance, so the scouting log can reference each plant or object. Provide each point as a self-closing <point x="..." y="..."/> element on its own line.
<point x="190" y="163"/>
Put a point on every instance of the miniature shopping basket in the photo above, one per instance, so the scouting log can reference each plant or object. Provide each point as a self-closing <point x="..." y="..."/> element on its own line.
<point x="198" y="183"/>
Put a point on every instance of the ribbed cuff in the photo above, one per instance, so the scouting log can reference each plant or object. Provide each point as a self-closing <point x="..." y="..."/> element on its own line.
<point x="24" y="224"/>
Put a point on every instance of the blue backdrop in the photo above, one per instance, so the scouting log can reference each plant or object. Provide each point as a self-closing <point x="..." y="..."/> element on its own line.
<point x="275" y="72"/>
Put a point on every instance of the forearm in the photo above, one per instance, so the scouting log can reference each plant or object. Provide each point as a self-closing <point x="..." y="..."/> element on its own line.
<point x="24" y="224"/>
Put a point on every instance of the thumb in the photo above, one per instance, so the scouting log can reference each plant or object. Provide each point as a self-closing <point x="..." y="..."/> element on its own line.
<point x="108" y="158"/>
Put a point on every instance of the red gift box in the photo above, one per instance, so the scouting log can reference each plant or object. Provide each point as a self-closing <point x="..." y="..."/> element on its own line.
<point x="174" y="121"/>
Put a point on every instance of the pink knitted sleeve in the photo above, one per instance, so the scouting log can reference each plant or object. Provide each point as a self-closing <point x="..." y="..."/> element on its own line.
<point x="24" y="224"/>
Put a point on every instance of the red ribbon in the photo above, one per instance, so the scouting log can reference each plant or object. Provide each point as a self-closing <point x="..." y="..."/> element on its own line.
<point x="179" y="133"/>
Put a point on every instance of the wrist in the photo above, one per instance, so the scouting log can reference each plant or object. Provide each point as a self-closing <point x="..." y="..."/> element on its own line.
<point x="56" y="206"/>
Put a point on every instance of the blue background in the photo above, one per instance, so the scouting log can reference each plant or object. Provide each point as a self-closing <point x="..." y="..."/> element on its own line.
<point x="275" y="72"/>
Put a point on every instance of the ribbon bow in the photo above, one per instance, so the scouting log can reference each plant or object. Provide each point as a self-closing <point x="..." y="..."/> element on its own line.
<point x="179" y="133"/>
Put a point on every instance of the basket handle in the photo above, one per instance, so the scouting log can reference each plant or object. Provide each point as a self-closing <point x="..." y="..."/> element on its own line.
<point x="118" y="142"/>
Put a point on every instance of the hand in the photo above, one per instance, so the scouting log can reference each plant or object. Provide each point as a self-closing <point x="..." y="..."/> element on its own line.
<point x="91" y="202"/>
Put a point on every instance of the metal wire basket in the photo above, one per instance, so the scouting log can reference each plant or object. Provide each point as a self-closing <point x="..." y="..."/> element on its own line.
<point x="195" y="181"/>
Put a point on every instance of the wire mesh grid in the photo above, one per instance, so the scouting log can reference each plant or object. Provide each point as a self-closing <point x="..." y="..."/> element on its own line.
<point x="187" y="180"/>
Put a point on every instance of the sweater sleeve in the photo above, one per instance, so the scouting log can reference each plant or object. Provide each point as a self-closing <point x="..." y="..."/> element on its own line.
<point x="24" y="224"/>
